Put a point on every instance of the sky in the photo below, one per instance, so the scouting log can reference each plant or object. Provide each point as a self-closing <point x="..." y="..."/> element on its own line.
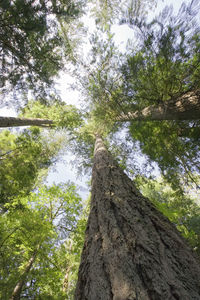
<point x="62" y="172"/>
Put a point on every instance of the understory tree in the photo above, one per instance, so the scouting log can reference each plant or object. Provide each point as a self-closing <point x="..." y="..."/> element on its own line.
<point x="33" y="243"/>
<point x="31" y="44"/>
<point x="24" y="160"/>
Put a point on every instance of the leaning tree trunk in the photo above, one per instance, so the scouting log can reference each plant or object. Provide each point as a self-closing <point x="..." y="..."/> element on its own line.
<point x="186" y="107"/>
<point x="12" y="122"/>
<point x="16" y="294"/>
<point x="131" y="250"/>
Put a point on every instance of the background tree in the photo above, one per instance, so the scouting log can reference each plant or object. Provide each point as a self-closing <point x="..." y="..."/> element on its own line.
<point x="31" y="43"/>
<point x="160" y="70"/>
<point x="24" y="158"/>
<point x="31" y="263"/>
<point x="164" y="69"/>
<point x="16" y="122"/>
<point x="107" y="13"/>
<point x="63" y="115"/>
<point x="71" y="252"/>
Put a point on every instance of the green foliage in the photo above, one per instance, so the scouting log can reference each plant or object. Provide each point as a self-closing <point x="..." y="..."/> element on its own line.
<point x="21" y="232"/>
<point x="100" y="79"/>
<point x="63" y="115"/>
<point x="110" y="12"/>
<point x="31" y="46"/>
<point x="103" y="62"/>
<point x="163" y="142"/>
<point x="166" y="62"/>
<point x="162" y="66"/>
<point x="23" y="157"/>
<point x="47" y="219"/>
<point x="72" y="254"/>
<point x="83" y="139"/>
<point x="82" y="144"/>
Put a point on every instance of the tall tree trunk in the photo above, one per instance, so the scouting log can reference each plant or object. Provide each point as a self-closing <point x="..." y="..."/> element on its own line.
<point x="131" y="250"/>
<point x="12" y="122"/>
<point x="16" y="294"/>
<point x="186" y="107"/>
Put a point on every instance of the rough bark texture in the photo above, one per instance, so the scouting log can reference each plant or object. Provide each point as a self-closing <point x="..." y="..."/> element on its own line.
<point x="12" y="122"/>
<point x="16" y="294"/>
<point x="186" y="107"/>
<point x="131" y="250"/>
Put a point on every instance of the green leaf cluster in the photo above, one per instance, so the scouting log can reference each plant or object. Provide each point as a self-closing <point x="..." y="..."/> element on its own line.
<point x="23" y="159"/>
<point x="63" y="115"/>
<point x="164" y="143"/>
<point x="31" y="46"/>
<point x="165" y="63"/>
<point x="48" y="218"/>
<point x="107" y="13"/>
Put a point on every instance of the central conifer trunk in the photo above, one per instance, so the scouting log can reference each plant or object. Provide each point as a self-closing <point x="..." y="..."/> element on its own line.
<point x="131" y="250"/>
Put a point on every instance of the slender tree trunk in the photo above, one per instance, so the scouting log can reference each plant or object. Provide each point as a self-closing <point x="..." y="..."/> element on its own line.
<point x="12" y="122"/>
<point x="186" y="107"/>
<point x="68" y="269"/>
<point x="16" y="294"/>
<point x="66" y="279"/>
<point x="131" y="250"/>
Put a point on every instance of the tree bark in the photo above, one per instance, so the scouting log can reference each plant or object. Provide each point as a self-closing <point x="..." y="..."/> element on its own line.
<point x="16" y="294"/>
<point x="12" y="122"/>
<point x="131" y="250"/>
<point x="186" y="107"/>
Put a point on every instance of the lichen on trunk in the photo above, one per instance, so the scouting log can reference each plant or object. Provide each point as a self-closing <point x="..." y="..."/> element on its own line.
<point x="131" y="250"/>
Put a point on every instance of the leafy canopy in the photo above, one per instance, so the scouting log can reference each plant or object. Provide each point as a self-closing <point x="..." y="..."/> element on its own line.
<point x="63" y="115"/>
<point x="31" y="43"/>
<point x="23" y="159"/>
<point x="48" y="219"/>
